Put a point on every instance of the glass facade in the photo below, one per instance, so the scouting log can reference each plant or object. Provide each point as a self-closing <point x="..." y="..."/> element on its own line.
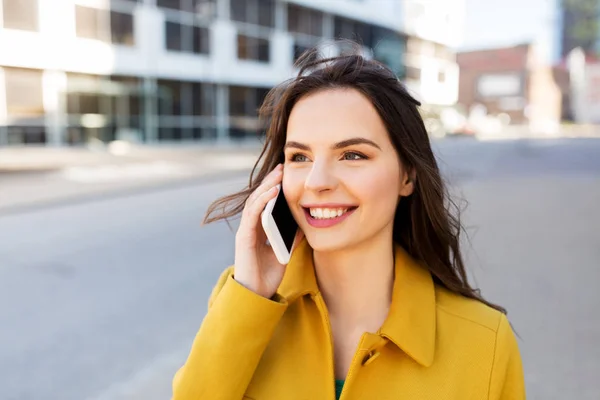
<point x="244" y="103"/>
<point x="186" y="110"/>
<point x="103" y="108"/>
<point x="187" y="38"/>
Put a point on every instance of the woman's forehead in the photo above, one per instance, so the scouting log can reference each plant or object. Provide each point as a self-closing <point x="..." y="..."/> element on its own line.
<point x="334" y="115"/>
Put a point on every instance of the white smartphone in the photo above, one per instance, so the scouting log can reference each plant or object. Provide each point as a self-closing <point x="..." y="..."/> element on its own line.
<point x="280" y="227"/>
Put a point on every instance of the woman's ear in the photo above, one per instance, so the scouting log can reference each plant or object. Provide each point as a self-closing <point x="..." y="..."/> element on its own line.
<point x="407" y="185"/>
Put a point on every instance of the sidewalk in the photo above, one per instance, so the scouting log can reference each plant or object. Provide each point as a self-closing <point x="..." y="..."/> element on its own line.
<point x="44" y="159"/>
<point x="37" y="177"/>
<point x="518" y="132"/>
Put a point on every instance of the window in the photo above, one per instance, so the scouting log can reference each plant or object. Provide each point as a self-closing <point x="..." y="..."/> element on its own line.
<point x="256" y="12"/>
<point x="414" y="45"/>
<point x="201" y="40"/>
<point x="89" y="103"/>
<point x="132" y="88"/>
<point x="116" y="101"/>
<point x="246" y="101"/>
<point x="389" y="48"/>
<point x="186" y="98"/>
<point x="304" y="20"/>
<point x="23" y="92"/>
<point x="413" y="73"/>
<point x="125" y="3"/>
<point x="441" y="77"/>
<point x="20" y="14"/>
<point x="186" y="110"/>
<point x="88" y="24"/>
<point x="204" y="133"/>
<point x="253" y="48"/>
<point x="108" y="26"/>
<point x="444" y="53"/>
<point x="499" y="85"/>
<point x="238" y="10"/>
<point x="173" y="37"/>
<point x="345" y="28"/>
<point x="187" y="38"/>
<point x="172" y="4"/>
<point x="203" y="99"/>
<point x="299" y="50"/>
<point x="266" y="13"/>
<point x="82" y="95"/>
<point x="121" y="28"/>
<point x="200" y="7"/>
<point x="237" y="101"/>
<point x="26" y="134"/>
<point x="170" y="97"/>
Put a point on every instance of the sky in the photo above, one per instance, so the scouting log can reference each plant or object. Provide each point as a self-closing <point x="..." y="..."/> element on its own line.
<point x="493" y="23"/>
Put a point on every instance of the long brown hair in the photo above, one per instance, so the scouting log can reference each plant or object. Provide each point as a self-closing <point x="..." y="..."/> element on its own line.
<point x="427" y="223"/>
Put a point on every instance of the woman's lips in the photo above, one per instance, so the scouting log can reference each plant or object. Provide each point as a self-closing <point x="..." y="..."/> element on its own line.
<point x="326" y="222"/>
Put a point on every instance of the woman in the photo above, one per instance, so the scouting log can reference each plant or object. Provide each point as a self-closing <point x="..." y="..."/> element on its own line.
<point x="375" y="303"/>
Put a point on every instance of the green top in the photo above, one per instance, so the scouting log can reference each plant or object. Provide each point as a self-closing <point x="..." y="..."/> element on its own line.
<point x="339" y="385"/>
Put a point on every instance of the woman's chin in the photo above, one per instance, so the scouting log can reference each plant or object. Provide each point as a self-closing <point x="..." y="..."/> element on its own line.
<point x="325" y="243"/>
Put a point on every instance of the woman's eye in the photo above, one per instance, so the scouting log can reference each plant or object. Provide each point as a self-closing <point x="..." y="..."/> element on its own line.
<point x="353" y="156"/>
<point x="298" y="158"/>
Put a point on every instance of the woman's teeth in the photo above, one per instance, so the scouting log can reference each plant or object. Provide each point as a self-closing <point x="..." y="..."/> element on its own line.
<point x="323" y="213"/>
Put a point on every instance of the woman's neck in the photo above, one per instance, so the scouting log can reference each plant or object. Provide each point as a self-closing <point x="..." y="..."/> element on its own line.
<point x="356" y="284"/>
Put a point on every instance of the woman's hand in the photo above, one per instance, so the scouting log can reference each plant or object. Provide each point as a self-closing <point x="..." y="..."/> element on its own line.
<point x="256" y="266"/>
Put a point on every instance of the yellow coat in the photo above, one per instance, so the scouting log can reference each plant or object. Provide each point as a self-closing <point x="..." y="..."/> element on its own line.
<point x="434" y="344"/>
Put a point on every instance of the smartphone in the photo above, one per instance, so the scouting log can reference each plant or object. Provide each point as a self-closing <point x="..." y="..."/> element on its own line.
<point x="280" y="226"/>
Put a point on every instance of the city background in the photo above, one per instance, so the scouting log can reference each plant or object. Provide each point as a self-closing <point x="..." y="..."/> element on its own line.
<point x="120" y="120"/>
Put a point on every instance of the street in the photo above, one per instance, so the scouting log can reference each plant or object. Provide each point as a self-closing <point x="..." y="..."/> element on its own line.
<point x="100" y="300"/>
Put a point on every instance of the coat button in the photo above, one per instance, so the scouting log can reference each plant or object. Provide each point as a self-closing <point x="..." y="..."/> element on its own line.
<point x="370" y="357"/>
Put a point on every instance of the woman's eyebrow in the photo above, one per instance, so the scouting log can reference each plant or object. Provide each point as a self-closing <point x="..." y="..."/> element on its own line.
<point x="354" y="141"/>
<point x="297" y="145"/>
<point x="336" y="146"/>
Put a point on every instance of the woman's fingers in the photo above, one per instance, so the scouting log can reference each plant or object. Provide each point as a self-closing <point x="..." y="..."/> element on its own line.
<point x="255" y="205"/>
<point x="256" y="208"/>
<point x="272" y="179"/>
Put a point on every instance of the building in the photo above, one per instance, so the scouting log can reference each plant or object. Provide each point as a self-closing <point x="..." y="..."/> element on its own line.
<point x="584" y="93"/>
<point x="513" y="81"/>
<point x="75" y="71"/>
<point x="433" y="29"/>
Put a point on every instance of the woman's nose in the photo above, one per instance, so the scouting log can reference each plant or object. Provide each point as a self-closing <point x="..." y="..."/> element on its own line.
<point x="320" y="178"/>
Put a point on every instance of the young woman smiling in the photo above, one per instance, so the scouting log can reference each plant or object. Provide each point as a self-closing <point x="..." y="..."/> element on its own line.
<point x="375" y="302"/>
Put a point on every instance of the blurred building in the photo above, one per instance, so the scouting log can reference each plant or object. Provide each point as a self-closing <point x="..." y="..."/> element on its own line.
<point x="72" y="71"/>
<point x="578" y="25"/>
<point x="433" y="29"/>
<point x="513" y="82"/>
<point x="584" y="87"/>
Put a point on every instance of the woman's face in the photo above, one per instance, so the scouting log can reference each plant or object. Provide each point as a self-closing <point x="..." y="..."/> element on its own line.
<point x="342" y="176"/>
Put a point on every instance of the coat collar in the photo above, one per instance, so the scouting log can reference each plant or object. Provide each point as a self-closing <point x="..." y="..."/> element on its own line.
<point x="410" y="324"/>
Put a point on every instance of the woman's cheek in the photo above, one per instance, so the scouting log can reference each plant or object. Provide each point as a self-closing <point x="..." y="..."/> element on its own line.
<point x="292" y="184"/>
<point x="372" y="183"/>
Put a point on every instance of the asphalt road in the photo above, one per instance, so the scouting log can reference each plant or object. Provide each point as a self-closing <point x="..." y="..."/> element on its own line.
<point x="101" y="300"/>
